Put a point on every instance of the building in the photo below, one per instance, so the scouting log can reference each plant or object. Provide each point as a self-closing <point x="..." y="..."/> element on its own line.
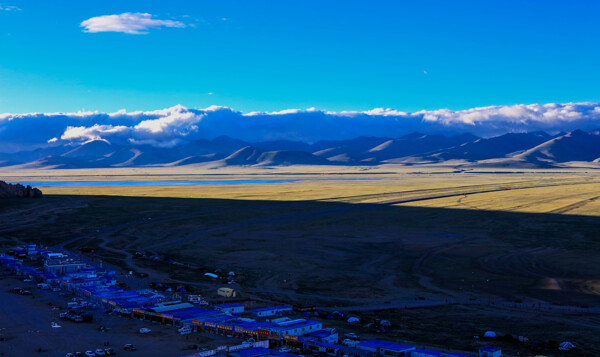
<point x="230" y="308"/>
<point x="326" y="335"/>
<point x="490" y="352"/>
<point x="298" y="327"/>
<point x="271" y="311"/>
<point x="385" y="349"/>
<point x="63" y="266"/>
<point x="226" y="292"/>
<point x="419" y="352"/>
<point x="329" y="349"/>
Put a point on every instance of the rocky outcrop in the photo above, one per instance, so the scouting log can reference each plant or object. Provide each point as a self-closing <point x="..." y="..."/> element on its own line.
<point x="18" y="191"/>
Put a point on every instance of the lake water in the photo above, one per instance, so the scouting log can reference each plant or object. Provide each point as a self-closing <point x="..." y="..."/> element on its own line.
<point x="173" y="183"/>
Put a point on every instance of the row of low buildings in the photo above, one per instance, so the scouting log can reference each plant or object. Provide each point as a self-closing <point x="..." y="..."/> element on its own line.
<point x="100" y="286"/>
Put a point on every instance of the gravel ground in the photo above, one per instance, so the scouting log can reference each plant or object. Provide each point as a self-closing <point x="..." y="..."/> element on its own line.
<point x="25" y="324"/>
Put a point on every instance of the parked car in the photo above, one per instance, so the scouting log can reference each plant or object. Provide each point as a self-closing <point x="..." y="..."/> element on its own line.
<point x="89" y="354"/>
<point x="100" y="352"/>
<point x="285" y="350"/>
<point x="109" y="351"/>
<point x="69" y="355"/>
<point x="351" y="335"/>
<point x="129" y="347"/>
<point x="145" y="330"/>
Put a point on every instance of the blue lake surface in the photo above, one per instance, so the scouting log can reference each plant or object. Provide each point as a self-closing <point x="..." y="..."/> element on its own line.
<point x="174" y="183"/>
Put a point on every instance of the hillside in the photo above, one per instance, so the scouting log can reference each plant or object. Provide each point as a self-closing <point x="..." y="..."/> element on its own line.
<point x="536" y="149"/>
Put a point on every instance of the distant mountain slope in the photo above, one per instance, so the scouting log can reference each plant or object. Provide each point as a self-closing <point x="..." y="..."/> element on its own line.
<point x="254" y="156"/>
<point x="347" y="151"/>
<point x="483" y="149"/>
<point x="574" y="146"/>
<point x="290" y="157"/>
<point x="536" y="149"/>
<point x="417" y="143"/>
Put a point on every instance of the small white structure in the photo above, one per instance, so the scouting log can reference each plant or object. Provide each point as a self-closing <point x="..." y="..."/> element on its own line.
<point x="226" y="292"/>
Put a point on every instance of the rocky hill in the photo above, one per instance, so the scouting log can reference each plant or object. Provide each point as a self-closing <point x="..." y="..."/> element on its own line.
<point x="8" y="190"/>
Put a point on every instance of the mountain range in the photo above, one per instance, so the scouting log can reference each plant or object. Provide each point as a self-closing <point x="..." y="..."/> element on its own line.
<point x="535" y="149"/>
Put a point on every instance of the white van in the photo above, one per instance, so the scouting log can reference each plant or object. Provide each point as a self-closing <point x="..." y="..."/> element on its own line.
<point x="185" y="330"/>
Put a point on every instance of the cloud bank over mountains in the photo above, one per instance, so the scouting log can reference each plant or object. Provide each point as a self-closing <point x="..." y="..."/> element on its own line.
<point x="172" y="126"/>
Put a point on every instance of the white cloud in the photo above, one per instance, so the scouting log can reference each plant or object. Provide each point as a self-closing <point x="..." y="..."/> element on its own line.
<point x="130" y="23"/>
<point x="172" y="126"/>
<point x="9" y="8"/>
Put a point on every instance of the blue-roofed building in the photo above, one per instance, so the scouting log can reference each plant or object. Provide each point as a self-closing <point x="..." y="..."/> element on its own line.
<point x="297" y="327"/>
<point x="322" y="347"/>
<point x="326" y="335"/>
<point x="186" y="316"/>
<point x="271" y="311"/>
<point x="231" y="308"/>
<point x="490" y="352"/>
<point x="384" y="348"/>
<point x="419" y="352"/>
<point x="259" y="352"/>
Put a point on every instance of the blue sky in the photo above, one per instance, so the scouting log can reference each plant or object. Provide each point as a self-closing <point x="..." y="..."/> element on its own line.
<point x="274" y="55"/>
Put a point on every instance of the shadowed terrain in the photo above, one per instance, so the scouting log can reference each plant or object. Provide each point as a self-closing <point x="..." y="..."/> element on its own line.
<point x="495" y="251"/>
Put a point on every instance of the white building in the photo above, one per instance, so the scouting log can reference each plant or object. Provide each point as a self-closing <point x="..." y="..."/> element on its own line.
<point x="271" y="311"/>
<point x="63" y="266"/>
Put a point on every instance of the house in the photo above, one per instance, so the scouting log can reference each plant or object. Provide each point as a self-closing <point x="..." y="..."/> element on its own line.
<point x="419" y="352"/>
<point x="63" y="266"/>
<point x="322" y="347"/>
<point x="230" y="308"/>
<point x="297" y="327"/>
<point x="490" y="352"/>
<point x="326" y="335"/>
<point x="270" y="311"/>
<point x="259" y="352"/>
<point x="385" y="349"/>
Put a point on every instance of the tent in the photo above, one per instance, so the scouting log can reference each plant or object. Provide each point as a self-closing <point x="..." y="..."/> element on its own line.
<point x="565" y="346"/>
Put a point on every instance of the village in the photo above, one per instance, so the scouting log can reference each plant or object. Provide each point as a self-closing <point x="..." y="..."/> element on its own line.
<point x="90" y="292"/>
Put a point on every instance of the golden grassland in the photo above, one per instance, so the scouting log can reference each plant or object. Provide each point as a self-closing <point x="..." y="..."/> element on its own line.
<point x="565" y="191"/>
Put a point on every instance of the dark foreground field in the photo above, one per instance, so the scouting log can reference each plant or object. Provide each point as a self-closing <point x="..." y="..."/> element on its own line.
<point x="357" y="257"/>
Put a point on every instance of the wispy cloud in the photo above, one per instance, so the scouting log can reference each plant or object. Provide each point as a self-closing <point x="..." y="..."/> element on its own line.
<point x="9" y="8"/>
<point x="129" y="23"/>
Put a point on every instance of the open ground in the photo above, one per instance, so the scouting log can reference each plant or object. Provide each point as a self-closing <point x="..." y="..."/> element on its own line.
<point x="475" y="243"/>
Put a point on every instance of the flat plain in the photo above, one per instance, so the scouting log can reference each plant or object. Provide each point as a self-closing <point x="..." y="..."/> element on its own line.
<point x="359" y="239"/>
